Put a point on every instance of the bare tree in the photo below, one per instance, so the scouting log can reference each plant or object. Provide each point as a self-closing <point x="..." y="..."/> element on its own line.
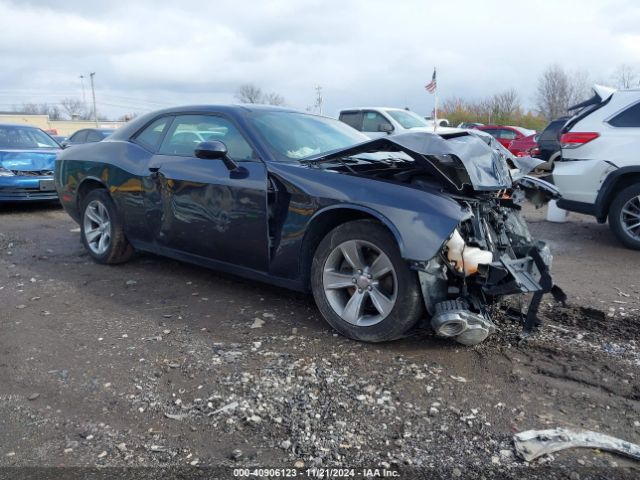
<point x="53" y="111"/>
<point x="74" y="107"/>
<point x="504" y="106"/>
<point x="274" y="99"/>
<point x="127" y="116"/>
<point x="579" y="86"/>
<point x="626" y="77"/>
<point x="554" y="92"/>
<point x="249" y="93"/>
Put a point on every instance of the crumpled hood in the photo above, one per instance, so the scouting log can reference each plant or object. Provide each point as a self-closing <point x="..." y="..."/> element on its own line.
<point x="463" y="158"/>
<point x="28" y="160"/>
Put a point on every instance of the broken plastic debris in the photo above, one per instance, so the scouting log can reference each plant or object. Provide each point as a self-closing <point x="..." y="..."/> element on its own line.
<point x="226" y="408"/>
<point x="178" y="417"/>
<point x="257" y="323"/>
<point x="535" y="443"/>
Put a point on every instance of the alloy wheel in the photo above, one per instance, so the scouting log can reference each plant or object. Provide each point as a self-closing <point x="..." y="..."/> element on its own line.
<point x="97" y="227"/>
<point x="630" y="218"/>
<point x="360" y="283"/>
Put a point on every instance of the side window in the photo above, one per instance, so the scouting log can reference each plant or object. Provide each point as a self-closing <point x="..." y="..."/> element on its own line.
<point x="150" y="137"/>
<point x="508" y="134"/>
<point x="353" y="119"/>
<point x="492" y="131"/>
<point x="371" y="122"/>
<point x="79" y="137"/>
<point x="93" y="136"/>
<point x="628" y="118"/>
<point x="187" y="131"/>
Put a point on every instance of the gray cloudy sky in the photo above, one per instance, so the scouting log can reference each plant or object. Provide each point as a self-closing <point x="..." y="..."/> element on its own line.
<point x="155" y="53"/>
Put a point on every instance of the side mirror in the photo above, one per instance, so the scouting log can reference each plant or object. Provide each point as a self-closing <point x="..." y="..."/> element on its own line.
<point x="385" y="127"/>
<point x="213" y="150"/>
<point x="65" y="144"/>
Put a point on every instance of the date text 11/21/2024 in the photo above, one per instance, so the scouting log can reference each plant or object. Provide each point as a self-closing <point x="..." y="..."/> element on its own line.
<point x="316" y="473"/>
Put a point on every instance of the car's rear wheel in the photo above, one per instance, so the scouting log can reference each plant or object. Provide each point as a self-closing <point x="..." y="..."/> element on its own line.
<point x="361" y="284"/>
<point x="101" y="229"/>
<point x="624" y="216"/>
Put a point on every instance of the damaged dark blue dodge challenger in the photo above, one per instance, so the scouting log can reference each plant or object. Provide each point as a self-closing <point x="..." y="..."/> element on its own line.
<point x="379" y="230"/>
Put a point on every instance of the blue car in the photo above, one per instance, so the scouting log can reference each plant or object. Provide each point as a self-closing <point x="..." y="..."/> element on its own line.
<point x="27" y="160"/>
<point x="380" y="231"/>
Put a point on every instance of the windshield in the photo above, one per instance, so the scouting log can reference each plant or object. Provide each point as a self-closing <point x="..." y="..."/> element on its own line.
<point x="292" y="136"/>
<point x="408" y="119"/>
<point x="25" y="137"/>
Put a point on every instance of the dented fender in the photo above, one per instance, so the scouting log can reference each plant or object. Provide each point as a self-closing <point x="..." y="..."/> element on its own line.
<point x="420" y="220"/>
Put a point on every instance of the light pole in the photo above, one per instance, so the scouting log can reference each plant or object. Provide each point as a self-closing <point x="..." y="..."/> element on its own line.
<point x="93" y="93"/>
<point x="319" y="99"/>
<point x="84" y="98"/>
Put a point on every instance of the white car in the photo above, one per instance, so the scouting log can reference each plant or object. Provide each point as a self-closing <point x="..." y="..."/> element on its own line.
<point x="377" y="122"/>
<point x="599" y="171"/>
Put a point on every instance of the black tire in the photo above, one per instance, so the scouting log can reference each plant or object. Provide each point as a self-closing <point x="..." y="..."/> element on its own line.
<point x="119" y="249"/>
<point x="408" y="306"/>
<point x="615" y="216"/>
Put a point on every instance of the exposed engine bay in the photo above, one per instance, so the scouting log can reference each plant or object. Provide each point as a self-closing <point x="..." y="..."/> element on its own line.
<point x="491" y="253"/>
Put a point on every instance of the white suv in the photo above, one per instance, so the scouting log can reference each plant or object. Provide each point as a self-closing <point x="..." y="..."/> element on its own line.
<point x="377" y="122"/>
<point x="599" y="170"/>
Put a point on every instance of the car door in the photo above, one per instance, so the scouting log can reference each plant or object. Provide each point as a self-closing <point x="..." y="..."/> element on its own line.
<point x="198" y="206"/>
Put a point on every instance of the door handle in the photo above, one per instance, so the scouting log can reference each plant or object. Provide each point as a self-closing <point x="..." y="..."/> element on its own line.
<point x="154" y="169"/>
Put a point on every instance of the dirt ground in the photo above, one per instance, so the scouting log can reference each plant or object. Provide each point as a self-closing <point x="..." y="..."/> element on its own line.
<point x="156" y="363"/>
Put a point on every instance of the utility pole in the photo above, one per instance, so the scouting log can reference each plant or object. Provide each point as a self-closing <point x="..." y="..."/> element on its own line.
<point x="84" y="98"/>
<point x="319" y="99"/>
<point x="93" y="93"/>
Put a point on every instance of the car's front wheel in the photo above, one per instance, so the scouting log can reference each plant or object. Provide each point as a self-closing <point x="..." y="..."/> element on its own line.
<point x="361" y="284"/>
<point x="624" y="216"/>
<point x="101" y="229"/>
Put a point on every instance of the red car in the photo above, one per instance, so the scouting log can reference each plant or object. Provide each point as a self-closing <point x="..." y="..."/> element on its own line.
<point x="525" y="146"/>
<point x="506" y="134"/>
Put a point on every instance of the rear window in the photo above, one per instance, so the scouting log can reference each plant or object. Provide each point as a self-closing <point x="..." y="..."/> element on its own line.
<point x="94" y="136"/>
<point x="353" y="119"/>
<point x="628" y="118"/>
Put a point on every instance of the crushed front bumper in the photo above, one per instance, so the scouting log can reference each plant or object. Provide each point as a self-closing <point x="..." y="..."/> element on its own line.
<point x="524" y="275"/>
<point x="521" y="275"/>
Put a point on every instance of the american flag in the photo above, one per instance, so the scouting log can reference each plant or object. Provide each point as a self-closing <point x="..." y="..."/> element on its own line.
<point x="431" y="86"/>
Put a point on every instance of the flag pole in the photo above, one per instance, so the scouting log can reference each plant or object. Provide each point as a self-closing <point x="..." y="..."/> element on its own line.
<point x="435" y="110"/>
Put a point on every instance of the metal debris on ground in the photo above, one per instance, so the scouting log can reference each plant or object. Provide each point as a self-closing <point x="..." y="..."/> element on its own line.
<point x="535" y="443"/>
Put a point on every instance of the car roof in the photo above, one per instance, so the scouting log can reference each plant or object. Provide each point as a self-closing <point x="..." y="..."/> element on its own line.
<point x="131" y="127"/>
<point x="243" y="107"/>
<point x="373" y="108"/>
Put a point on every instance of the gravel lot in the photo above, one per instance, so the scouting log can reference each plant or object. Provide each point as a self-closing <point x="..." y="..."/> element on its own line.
<point x="158" y="363"/>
